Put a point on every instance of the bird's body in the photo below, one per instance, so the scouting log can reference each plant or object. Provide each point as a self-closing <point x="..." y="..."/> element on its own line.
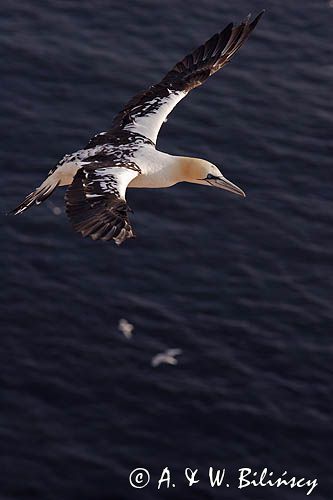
<point x="156" y="169"/>
<point x="167" y="357"/>
<point x="126" y="155"/>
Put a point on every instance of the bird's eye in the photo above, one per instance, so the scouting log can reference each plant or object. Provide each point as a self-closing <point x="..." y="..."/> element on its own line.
<point x="209" y="176"/>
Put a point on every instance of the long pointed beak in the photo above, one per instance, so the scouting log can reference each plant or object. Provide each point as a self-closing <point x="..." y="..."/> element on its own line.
<point x="223" y="183"/>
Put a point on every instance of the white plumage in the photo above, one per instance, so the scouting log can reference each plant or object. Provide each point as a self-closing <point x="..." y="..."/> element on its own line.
<point x="126" y="155"/>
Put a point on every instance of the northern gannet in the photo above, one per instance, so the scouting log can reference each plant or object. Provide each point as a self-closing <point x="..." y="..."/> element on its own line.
<point x="126" y="155"/>
<point x="168" y="357"/>
<point x="126" y="328"/>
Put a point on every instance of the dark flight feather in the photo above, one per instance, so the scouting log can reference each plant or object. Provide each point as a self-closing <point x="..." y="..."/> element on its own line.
<point x="95" y="206"/>
<point x="192" y="71"/>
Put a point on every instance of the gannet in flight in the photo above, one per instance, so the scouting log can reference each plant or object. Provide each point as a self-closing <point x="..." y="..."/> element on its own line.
<point x="126" y="155"/>
<point x="167" y="357"/>
<point x="126" y="328"/>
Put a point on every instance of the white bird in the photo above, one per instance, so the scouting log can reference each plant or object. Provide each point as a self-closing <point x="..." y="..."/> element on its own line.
<point x="167" y="357"/>
<point x="126" y="155"/>
<point x="126" y="328"/>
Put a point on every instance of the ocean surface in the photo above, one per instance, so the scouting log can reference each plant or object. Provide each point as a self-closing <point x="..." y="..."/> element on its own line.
<point x="243" y="286"/>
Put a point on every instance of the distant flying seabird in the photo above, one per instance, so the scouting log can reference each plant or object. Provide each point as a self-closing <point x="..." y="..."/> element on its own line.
<point x="125" y="328"/>
<point x="168" y="357"/>
<point x="126" y="155"/>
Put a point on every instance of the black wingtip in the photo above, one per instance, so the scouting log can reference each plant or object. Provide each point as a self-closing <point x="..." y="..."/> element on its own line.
<point x="255" y="21"/>
<point x="259" y="16"/>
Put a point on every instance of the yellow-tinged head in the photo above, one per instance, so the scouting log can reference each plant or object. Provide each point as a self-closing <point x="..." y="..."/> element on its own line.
<point x="203" y="172"/>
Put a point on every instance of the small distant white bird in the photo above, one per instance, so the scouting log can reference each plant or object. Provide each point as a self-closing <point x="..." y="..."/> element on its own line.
<point x="126" y="328"/>
<point x="126" y="155"/>
<point x="167" y="357"/>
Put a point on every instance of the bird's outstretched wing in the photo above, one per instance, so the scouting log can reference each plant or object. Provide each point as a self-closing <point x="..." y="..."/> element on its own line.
<point x="146" y="112"/>
<point x="95" y="201"/>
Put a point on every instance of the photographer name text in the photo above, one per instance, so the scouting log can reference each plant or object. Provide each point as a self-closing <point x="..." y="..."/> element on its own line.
<point x="244" y="478"/>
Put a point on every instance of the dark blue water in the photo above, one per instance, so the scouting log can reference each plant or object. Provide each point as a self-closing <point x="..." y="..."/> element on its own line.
<point x="243" y="287"/>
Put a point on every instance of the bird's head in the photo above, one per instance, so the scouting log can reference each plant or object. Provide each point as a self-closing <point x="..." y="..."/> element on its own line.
<point x="203" y="172"/>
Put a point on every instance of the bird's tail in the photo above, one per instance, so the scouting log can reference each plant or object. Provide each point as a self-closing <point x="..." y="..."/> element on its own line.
<point x="36" y="197"/>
